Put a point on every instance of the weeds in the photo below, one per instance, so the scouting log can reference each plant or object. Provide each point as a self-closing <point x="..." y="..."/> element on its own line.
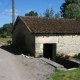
<point x="77" y="56"/>
<point x="4" y="40"/>
<point x="26" y="64"/>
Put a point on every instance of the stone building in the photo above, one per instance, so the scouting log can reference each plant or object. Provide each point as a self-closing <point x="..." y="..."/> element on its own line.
<point x="46" y="36"/>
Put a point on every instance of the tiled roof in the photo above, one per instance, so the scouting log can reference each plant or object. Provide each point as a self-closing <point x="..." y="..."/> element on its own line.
<point x="51" y="25"/>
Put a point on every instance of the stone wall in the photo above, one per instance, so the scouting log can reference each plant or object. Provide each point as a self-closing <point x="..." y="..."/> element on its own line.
<point x="23" y="38"/>
<point x="68" y="44"/>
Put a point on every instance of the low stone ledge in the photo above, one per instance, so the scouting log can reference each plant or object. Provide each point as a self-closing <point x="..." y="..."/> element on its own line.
<point x="54" y="64"/>
<point x="72" y="63"/>
<point x="76" y="61"/>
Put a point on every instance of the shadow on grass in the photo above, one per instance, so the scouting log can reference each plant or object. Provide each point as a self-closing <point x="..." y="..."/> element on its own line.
<point x="10" y="49"/>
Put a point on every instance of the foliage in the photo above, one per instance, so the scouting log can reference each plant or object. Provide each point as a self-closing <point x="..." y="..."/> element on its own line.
<point x="77" y="56"/>
<point x="26" y="64"/>
<point x="3" y="36"/>
<point x="6" y="29"/>
<point x="57" y="15"/>
<point x="63" y="55"/>
<point x="4" y="40"/>
<point x="49" y="13"/>
<point x="68" y="57"/>
<point x="9" y="41"/>
<point x="31" y="13"/>
<point x="71" y="9"/>
<point x="66" y="75"/>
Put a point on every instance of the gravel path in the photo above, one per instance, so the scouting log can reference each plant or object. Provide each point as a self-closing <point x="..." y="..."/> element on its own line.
<point x="18" y="67"/>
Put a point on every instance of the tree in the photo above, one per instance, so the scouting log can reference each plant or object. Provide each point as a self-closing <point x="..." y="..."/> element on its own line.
<point x="31" y="13"/>
<point x="57" y="15"/>
<point x="48" y="13"/>
<point x="71" y="9"/>
<point x="6" y="29"/>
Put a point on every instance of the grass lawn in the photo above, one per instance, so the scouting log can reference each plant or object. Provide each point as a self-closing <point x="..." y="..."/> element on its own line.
<point x="66" y="75"/>
<point x="4" y="40"/>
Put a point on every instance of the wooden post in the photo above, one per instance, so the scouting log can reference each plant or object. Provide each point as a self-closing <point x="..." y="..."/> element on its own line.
<point x="13" y="12"/>
<point x="54" y="52"/>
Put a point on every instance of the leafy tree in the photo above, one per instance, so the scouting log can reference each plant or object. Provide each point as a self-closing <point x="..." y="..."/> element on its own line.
<point x="1" y="32"/>
<point x="49" y="13"/>
<point x="31" y="13"/>
<point x="71" y="9"/>
<point x="57" y="15"/>
<point x="6" y="29"/>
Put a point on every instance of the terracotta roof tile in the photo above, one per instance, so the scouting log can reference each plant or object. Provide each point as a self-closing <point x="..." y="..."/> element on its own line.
<point x="51" y="25"/>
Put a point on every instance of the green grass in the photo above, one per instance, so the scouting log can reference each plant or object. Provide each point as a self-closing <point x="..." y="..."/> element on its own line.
<point x="4" y="40"/>
<point x="66" y="75"/>
<point x="26" y="64"/>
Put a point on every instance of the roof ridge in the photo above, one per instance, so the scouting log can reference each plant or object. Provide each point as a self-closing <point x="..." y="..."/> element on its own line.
<point x="37" y="24"/>
<point x="48" y="18"/>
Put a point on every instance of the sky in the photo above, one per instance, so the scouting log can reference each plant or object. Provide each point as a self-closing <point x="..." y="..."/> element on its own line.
<point x="24" y="6"/>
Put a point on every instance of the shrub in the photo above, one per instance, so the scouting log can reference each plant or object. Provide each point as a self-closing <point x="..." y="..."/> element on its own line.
<point x="9" y="41"/>
<point x="3" y="36"/>
<point x="79" y="55"/>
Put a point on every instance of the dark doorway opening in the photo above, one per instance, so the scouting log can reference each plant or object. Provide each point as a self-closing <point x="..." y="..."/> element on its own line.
<point x="49" y="51"/>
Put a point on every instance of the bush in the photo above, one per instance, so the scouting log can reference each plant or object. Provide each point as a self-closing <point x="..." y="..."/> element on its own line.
<point x="3" y="36"/>
<point x="79" y="55"/>
<point x="9" y="42"/>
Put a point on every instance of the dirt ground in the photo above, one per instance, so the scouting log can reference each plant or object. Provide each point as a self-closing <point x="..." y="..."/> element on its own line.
<point x="35" y="68"/>
<point x="20" y="67"/>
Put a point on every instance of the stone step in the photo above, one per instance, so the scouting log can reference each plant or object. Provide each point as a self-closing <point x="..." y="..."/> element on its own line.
<point x="54" y="64"/>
